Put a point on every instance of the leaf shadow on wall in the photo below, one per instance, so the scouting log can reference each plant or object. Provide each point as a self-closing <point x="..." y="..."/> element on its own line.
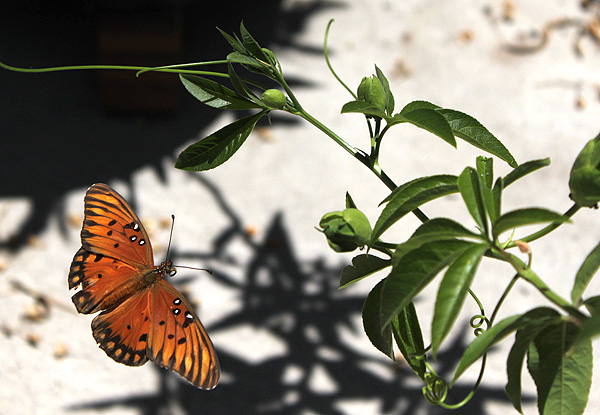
<point x="298" y="303"/>
<point x="56" y="134"/>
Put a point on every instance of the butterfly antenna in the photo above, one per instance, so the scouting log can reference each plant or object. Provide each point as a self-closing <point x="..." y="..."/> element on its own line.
<point x="169" y="249"/>
<point x="170" y="235"/>
<point x="194" y="268"/>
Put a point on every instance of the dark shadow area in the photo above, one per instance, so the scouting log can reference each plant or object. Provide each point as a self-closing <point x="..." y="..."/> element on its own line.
<point x="66" y="130"/>
<point x="59" y="134"/>
<point x="298" y="302"/>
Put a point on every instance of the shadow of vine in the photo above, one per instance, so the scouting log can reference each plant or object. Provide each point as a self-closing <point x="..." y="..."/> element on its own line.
<point x="299" y="304"/>
<point x="56" y="136"/>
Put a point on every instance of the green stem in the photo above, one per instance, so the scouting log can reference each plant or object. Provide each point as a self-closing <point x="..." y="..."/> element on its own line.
<point x="484" y="358"/>
<point x="502" y="298"/>
<point x="359" y="155"/>
<point x="384" y="247"/>
<point x="476" y="299"/>
<point x="297" y="109"/>
<point x="181" y="65"/>
<point x="352" y="150"/>
<point x="543" y="232"/>
<point x="375" y="141"/>
<point x="117" y="67"/>
<point x="325" y="52"/>
<point x="530" y="276"/>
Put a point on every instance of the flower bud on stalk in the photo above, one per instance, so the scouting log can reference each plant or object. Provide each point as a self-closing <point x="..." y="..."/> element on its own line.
<point x="273" y="98"/>
<point x="371" y="90"/>
<point x="346" y="230"/>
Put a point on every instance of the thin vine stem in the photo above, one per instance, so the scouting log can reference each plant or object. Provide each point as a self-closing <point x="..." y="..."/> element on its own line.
<point x="298" y="110"/>
<point x="360" y="156"/>
<point x="180" y="65"/>
<point x="326" y="53"/>
<point x="508" y="288"/>
<point x="483" y="361"/>
<point x="473" y="390"/>
<point x="372" y="163"/>
<point x="113" y="67"/>
<point x="336" y="76"/>
<point x="484" y="358"/>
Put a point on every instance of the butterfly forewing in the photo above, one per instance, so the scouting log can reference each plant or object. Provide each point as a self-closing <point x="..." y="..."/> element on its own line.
<point x="111" y="228"/>
<point x="99" y="277"/>
<point x="178" y="341"/>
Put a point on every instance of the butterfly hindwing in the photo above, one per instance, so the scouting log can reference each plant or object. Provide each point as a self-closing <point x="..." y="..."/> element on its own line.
<point x="111" y="228"/>
<point x="123" y="331"/>
<point x="178" y="341"/>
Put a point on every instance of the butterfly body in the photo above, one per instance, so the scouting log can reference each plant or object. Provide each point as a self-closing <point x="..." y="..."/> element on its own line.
<point x="143" y="317"/>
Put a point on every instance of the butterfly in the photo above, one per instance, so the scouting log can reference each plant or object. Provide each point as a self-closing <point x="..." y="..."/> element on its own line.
<point x="143" y="317"/>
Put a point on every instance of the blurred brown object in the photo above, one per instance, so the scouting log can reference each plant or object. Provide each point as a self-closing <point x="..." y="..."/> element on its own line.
<point x="144" y="37"/>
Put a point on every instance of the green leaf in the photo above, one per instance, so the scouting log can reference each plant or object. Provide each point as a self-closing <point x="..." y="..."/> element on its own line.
<point x="470" y="190"/>
<point x="414" y="271"/>
<point x="485" y="171"/>
<point x="408" y="336"/>
<point x="436" y="229"/>
<point x="524" y="217"/>
<point x="415" y="105"/>
<point x="363" y="107"/>
<point x="524" y="169"/>
<point x="584" y="180"/>
<point x="452" y="292"/>
<point x="349" y="202"/>
<point x="485" y="341"/>
<point x="252" y="45"/>
<point x="496" y="209"/>
<point x="563" y="380"/>
<point x="440" y="228"/>
<point x="241" y="87"/>
<point x="218" y="147"/>
<point x="235" y="43"/>
<point x="471" y="130"/>
<point x="541" y="318"/>
<point x="584" y="275"/>
<point x="592" y="304"/>
<point x="240" y="58"/>
<point x="389" y="97"/>
<point x="362" y="266"/>
<point x="214" y="94"/>
<point x="410" y="196"/>
<point x="590" y="328"/>
<point x="429" y="120"/>
<point x="378" y="332"/>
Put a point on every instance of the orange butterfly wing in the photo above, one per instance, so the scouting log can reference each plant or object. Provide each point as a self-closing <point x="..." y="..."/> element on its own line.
<point x="115" y="252"/>
<point x="123" y="331"/>
<point x="177" y="340"/>
<point x="100" y="278"/>
<point x="144" y="316"/>
<point x="111" y="228"/>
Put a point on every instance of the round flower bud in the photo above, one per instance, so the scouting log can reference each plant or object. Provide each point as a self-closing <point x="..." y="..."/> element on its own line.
<point x="346" y="230"/>
<point x="371" y="90"/>
<point x="273" y="98"/>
